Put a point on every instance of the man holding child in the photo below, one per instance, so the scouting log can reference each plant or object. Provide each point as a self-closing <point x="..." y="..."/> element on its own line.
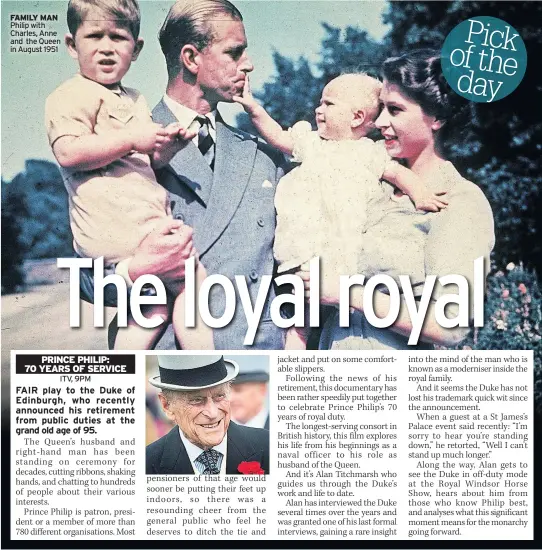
<point x="220" y="181"/>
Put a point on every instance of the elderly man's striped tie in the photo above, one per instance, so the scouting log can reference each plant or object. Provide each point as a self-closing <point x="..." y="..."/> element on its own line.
<point x="208" y="462"/>
<point x="206" y="144"/>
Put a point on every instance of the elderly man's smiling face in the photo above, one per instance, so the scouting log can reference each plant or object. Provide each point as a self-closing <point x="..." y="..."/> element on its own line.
<point x="202" y="415"/>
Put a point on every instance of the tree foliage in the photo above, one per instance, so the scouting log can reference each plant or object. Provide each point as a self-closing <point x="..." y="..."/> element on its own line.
<point x="513" y="319"/>
<point x="13" y="251"/>
<point x="294" y="93"/>
<point x="35" y="206"/>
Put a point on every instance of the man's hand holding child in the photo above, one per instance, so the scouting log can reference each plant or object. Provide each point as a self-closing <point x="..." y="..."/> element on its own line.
<point x="163" y="252"/>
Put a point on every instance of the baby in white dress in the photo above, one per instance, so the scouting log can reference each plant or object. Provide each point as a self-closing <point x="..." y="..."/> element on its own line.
<point x="324" y="205"/>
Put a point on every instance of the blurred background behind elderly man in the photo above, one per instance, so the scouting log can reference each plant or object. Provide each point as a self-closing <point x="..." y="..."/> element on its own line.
<point x="249" y="397"/>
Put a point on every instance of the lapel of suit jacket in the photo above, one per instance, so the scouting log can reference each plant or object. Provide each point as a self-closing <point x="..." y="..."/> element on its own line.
<point x="234" y="160"/>
<point x="240" y="450"/>
<point x="188" y="165"/>
<point x="175" y="458"/>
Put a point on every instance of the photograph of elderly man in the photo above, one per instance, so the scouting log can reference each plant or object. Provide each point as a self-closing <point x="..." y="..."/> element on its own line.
<point x="196" y="396"/>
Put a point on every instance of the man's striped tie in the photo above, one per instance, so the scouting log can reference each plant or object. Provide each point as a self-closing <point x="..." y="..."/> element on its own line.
<point x="209" y="461"/>
<point x="206" y="144"/>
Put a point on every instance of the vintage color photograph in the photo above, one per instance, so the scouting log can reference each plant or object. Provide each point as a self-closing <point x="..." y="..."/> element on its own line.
<point x="282" y="66"/>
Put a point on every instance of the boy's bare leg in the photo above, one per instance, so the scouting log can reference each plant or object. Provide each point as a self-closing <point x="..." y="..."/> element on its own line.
<point x="199" y="337"/>
<point x="134" y="336"/>
<point x="296" y="337"/>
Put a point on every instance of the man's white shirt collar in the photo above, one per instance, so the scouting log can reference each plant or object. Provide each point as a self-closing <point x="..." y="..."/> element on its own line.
<point x="186" y="116"/>
<point x="193" y="451"/>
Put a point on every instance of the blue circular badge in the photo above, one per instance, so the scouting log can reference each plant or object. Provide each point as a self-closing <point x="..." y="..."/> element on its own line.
<point x="484" y="59"/>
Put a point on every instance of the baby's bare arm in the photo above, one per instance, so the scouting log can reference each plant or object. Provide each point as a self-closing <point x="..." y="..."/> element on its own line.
<point x="269" y="128"/>
<point x="93" y="151"/>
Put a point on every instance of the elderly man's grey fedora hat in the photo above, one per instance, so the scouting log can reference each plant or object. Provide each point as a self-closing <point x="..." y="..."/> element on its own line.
<point x="193" y="372"/>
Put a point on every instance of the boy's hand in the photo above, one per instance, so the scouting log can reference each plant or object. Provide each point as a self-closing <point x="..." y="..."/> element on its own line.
<point x="147" y="137"/>
<point x="175" y="131"/>
<point x="175" y="139"/>
<point x="183" y="134"/>
<point x="247" y="99"/>
<point x="430" y="202"/>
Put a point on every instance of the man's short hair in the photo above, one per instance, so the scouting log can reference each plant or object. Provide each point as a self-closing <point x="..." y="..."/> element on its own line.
<point x="189" y="22"/>
<point x="125" y="12"/>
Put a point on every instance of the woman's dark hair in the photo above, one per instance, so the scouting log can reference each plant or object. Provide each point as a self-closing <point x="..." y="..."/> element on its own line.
<point x="419" y="75"/>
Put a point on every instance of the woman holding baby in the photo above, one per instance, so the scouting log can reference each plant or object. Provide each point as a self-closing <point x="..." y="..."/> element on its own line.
<point x="417" y="106"/>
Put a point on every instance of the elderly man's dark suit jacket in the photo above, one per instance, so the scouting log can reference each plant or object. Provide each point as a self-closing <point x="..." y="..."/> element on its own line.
<point x="232" y="212"/>
<point x="168" y="456"/>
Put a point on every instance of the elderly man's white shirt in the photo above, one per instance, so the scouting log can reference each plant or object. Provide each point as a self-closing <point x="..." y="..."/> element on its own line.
<point x="193" y="451"/>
